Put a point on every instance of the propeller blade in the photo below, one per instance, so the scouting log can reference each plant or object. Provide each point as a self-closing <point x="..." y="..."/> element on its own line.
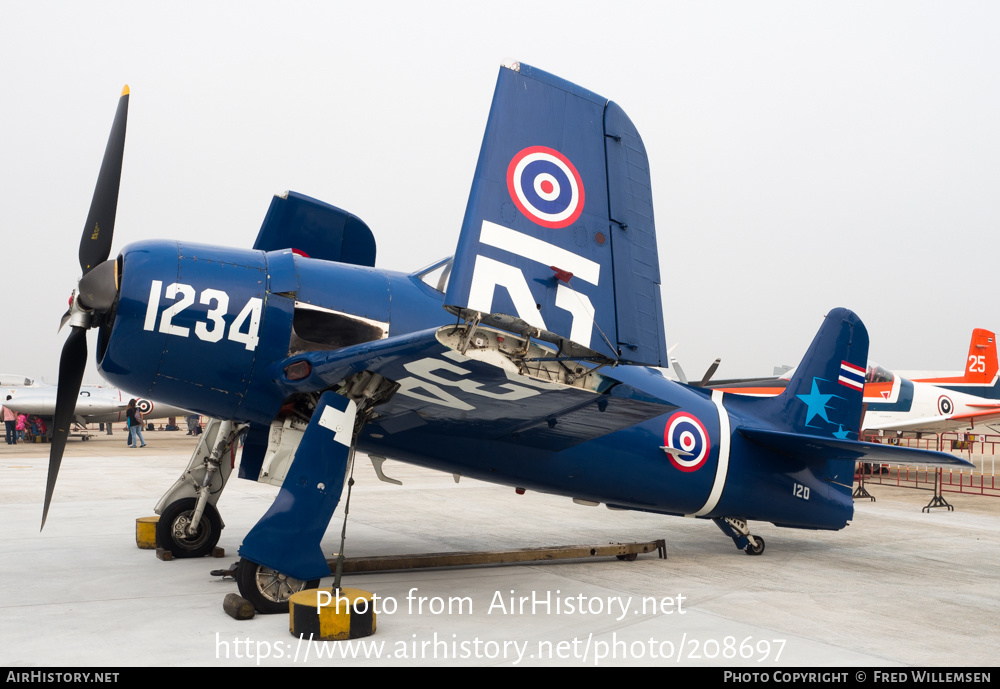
<point x="71" y="367"/>
<point x="709" y="373"/>
<point x="674" y="364"/>
<point x="95" y="244"/>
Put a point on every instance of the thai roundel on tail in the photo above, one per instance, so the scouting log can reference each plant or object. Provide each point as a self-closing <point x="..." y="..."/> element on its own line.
<point x="558" y="235"/>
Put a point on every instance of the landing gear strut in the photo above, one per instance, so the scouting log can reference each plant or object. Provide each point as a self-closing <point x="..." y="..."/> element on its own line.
<point x="190" y="525"/>
<point x="288" y="536"/>
<point x="738" y="530"/>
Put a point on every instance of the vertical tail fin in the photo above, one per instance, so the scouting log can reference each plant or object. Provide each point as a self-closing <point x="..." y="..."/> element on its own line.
<point x="981" y="365"/>
<point x="558" y="237"/>
<point x="823" y="397"/>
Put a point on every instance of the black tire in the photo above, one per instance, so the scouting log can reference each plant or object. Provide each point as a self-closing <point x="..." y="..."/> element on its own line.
<point x="628" y="557"/>
<point x="755" y="550"/>
<point x="268" y="589"/>
<point x="175" y="518"/>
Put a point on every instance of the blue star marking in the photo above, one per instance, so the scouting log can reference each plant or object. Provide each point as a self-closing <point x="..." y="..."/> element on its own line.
<point x="841" y="433"/>
<point x="816" y="403"/>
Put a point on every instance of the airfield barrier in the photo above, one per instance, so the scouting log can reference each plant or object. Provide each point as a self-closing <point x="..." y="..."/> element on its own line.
<point x="981" y="449"/>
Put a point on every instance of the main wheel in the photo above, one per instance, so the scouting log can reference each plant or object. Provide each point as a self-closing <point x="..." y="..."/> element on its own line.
<point x="171" y="530"/>
<point x="757" y="549"/>
<point x="268" y="589"/>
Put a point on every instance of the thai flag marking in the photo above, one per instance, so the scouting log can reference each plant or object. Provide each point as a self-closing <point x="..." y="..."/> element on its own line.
<point x="852" y="376"/>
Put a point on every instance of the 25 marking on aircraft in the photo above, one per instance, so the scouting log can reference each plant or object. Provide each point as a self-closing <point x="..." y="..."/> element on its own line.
<point x="243" y="329"/>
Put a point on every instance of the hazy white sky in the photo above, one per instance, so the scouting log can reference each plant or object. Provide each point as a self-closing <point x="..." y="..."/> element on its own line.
<point x="804" y="155"/>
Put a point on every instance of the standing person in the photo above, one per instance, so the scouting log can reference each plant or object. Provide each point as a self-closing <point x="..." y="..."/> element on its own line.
<point x="10" y="421"/>
<point x="22" y="420"/>
<point x="134" y="424"/>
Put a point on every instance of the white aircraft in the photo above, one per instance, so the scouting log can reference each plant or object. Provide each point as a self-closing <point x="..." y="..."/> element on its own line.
<point x="10" y="383"/>
<point x="928" y="401"/>
<point x="921" y="401"/>
<point x="94" y="404"/>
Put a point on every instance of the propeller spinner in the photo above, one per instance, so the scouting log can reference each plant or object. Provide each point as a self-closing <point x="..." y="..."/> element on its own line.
<point x="95" y="294"/>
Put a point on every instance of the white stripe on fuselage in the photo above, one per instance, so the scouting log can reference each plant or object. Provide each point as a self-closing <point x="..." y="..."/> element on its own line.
<point x="722" y="467"/>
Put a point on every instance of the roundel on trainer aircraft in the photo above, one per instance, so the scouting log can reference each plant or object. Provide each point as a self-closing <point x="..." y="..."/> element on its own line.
<point x="945" y="407"/>
<point x="145" y="406"/>
<point x="686" y="433"/>
<point x="546" y="187"/>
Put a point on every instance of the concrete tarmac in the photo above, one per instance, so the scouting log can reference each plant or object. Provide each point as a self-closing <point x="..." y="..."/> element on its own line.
<point x="897" y="587"/>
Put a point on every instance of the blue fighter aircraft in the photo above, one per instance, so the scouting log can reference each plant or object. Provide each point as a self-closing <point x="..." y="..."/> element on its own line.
<point x="530" y="359"/>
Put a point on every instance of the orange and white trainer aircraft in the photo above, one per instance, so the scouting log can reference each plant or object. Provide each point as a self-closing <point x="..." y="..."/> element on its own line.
<point x="922" y="401"/>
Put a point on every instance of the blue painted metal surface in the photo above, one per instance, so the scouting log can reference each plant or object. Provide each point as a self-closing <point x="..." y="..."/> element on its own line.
<point x="558" y="232"/>
<point x="538" y="212"/>
<point x="316" y="229"/>
<point x="287" y="537"/>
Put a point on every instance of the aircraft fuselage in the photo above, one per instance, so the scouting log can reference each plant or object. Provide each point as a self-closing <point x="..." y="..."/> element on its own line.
<point x="226" y="321"/>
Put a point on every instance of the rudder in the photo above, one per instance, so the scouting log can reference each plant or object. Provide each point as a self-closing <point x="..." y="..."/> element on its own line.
<point x="981" y="365"/>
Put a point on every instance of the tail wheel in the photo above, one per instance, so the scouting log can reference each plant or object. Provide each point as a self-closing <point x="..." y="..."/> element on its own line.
<point x="755" y="549"/>
<point x="268" y="589"/>
<point x="172" y="529"/>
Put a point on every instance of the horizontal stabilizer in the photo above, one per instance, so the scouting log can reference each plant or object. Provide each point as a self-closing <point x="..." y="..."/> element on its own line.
<point x="810" y="448"/>
<point x="315" y="229"/>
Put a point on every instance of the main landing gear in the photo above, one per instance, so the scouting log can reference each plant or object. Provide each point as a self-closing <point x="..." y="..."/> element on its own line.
<point x="268" y="589"/>
<point x="738" y="530"/>
<point x="190" y="525"/>
<point x="288" y="536"/>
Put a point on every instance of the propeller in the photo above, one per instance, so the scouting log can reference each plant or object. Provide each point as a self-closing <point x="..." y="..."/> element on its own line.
<point x="709" y="373"/>
<point x="95" y="295"/>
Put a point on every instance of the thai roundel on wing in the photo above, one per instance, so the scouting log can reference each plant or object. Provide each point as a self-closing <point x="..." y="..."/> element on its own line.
<point x="145" y="406"/>
<point x="546" y="187"/>
<point x="686" y="433"/>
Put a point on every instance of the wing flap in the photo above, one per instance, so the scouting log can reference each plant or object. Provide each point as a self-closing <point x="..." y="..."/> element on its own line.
<point x="316" y="229"/>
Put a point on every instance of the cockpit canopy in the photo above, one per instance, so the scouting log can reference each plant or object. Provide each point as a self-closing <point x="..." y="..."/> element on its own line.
<point x="877" y="374"/>
<point x="436" y="275"/>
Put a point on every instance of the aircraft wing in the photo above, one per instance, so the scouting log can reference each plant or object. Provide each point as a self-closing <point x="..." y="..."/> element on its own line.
<point x="466" y="396"/>
<point x="822" y="449"/>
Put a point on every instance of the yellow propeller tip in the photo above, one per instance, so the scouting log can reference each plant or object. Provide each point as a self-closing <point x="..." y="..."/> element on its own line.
<point x="125" y="90"/>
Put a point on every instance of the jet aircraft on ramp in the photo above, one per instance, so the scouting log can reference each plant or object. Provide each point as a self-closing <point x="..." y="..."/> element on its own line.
<point x="529" y="360"/>
<point x="94" y="404"/>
